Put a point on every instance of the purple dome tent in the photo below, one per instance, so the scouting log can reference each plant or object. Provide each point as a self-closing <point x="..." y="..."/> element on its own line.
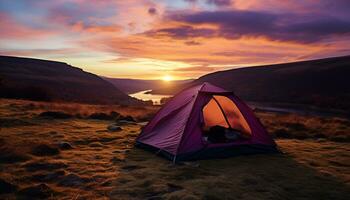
<point x="177" y="130"/>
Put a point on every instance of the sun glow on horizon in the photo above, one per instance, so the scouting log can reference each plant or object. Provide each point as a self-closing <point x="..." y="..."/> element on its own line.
<point x="167" y="78"/>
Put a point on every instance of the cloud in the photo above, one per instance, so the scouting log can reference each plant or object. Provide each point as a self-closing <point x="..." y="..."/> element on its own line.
<point x="181" y="32"/>
<point x="12" y="29"/>
<point x="219" y="2"/>
<point x="233" y="24"/>
<point x="192" y="43"/>
<point x="195" y="69"/>
<point x="152" y="11"/>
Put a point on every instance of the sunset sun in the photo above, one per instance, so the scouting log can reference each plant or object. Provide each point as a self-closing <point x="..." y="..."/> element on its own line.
<point x="167" y="78"/>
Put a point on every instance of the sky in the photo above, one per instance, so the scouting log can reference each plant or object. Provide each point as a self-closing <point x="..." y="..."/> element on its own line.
<point x="182" y="39"/>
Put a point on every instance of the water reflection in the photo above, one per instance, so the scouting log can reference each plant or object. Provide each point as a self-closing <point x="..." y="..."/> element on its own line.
<point x="146" y="96"/>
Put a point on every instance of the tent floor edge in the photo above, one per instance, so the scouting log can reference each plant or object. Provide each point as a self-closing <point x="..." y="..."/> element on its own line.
<point x="212" y="153"/>
<point x="227" y="152"/>
<point x="155" y="150"/>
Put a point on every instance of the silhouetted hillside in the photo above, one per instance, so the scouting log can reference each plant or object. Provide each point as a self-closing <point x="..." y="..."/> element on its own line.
<point x="324" y="83"/>
<point x="136" y="85"/>
<point x="35" y="79"/>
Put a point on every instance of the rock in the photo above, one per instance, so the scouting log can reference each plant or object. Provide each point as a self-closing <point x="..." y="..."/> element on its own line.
<point x="114" y="128"/>
<point x="73" y="180"/>
<point x="115" y="115"/>
<point x="125" y="122"/>
<point x="6" y="187"/>
<point x="41" y="191"/>
<point x="45" y="150"/>
<point x="65" y="146"/>
<point x="95" y="144"/>
<point x="126" y="118"/>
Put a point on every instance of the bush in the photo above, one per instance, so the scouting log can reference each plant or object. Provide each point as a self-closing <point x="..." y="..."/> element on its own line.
<point x="103" y="116"/>
<point x="55" y="115"/>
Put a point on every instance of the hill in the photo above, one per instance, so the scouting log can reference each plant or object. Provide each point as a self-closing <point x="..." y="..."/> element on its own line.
<point x="27" y="78"/>
<point x="323" y="83"/>
<point x="135" y="85"/>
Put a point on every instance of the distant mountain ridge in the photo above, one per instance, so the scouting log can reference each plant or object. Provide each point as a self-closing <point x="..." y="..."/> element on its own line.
<point x="323" y="83"/>
<point x="135" y="85"/>
<point x="36" y="79"/>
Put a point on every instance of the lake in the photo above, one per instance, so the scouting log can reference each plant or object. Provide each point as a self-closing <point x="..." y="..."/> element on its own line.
<point x="146" y="96"/>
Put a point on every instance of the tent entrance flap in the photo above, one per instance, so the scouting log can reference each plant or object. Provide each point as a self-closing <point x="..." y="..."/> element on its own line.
<point x="222" y="111"/>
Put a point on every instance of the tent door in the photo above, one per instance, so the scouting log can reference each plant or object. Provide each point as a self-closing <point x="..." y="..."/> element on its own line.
<point x="221" y="114"/>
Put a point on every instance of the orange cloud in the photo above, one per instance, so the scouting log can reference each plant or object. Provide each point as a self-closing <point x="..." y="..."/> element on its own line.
<point x="11" y="29"/>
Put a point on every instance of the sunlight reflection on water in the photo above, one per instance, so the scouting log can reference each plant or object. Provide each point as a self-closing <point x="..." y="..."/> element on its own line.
<point x="145" y="96"/>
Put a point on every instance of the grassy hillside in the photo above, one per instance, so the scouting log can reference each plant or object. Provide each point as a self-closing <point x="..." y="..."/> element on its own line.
<point x="36" y="79"/>
<point x="323" y="83"/>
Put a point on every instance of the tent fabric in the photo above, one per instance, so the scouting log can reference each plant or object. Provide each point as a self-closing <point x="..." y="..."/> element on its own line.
<point x="177" y="129"/>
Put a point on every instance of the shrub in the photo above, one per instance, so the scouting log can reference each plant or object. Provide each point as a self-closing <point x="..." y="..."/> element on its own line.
<point x="55" y="115"/>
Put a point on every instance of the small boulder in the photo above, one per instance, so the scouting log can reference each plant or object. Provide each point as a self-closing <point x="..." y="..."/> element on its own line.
<point x="45" y="150"/>
<point x="41" y="191"/>
<point x="65" y="146"/>
<point x="95" y="144"/>
<point x="127" y="118"/>
<point x="125" y="122"/>
<point x="115" y="115"/>
<point x="114" y="128"/>
<point x="6" y="187"/>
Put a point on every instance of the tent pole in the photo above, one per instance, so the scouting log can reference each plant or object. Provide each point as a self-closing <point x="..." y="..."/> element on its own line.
<point x="222" y="110"/>
<point x="174" y="160"/>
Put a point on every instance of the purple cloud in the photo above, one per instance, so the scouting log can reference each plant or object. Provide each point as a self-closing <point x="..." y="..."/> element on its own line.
<point x="152" y="11"/>
<point x="219" y="2"/>
<point x="181" y="32"/>
<point x="284" y="27"/>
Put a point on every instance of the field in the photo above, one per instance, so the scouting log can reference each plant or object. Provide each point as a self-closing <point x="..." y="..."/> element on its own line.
<point x="78" y="151"/>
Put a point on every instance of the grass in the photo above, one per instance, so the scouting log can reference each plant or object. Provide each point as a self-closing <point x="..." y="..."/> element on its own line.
<point x="105" y="165"/>
<point x="306" y="127"/>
